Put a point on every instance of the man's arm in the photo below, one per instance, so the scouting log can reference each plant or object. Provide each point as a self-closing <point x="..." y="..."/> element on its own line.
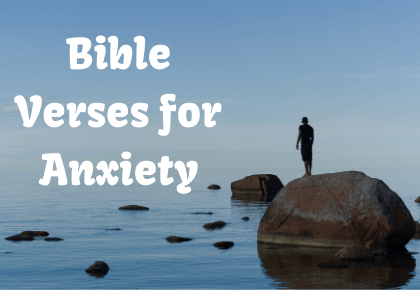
<point x="299" y="137"/>
<point x="313" y="137"/>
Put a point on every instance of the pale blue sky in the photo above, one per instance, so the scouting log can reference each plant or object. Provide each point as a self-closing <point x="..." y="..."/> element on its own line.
<point x="351" y="67"/>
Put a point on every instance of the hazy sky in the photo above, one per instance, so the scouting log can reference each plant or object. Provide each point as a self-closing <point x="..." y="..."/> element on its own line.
<point x="351" y="67"/>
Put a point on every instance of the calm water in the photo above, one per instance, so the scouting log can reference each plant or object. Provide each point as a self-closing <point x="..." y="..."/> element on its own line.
<point x="140" y="257"/>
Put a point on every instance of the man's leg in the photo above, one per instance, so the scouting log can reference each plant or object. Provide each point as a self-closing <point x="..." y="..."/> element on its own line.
<point x="310" y="167"/>
<point x="307" y="173"/>
<point x="310" y="160"/>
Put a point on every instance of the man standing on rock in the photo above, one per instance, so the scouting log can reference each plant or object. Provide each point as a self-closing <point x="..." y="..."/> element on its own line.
<point x="306" y="134"/>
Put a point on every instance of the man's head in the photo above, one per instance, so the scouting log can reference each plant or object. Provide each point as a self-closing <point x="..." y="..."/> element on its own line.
<point x="305" y="120"/>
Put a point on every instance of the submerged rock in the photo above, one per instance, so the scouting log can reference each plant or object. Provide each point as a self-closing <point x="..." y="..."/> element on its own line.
<point x="35" y="233"/>
<point x="175" y="239"/>
<point x="354" y="252"/>
<point x="245" y="218"/>
<point x="214" y="186"/>
<point x="18" y="238"/>
<point x="98" y="269"/>
<point x="224" y="245"/>
<point x="335" y="210"/>
<point x="215" y="225"/>
<point x="133" y="207"/>
<point x="52" y="239"/>
<point x="378" y="247"/>
<point x="202" y="212"/>
<point x="261" y="186"/>
<point x="333" y="265"/>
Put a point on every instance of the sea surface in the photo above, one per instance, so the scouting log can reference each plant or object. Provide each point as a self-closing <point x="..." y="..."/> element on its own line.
<point x="140" y="257"/>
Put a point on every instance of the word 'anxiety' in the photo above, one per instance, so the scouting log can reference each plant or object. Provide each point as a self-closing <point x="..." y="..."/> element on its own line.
<point x="143" y="168"/>
<point x="116" y="114"/>
<point x="158" y="52"/>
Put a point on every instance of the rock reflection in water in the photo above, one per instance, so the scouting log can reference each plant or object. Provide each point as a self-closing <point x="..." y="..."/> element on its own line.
<point x="296" y="267"/>
<point x="249" y="201"/>
<point x="250" y="208"/>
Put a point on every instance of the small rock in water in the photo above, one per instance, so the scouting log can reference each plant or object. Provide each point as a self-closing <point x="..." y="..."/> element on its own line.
<point x="354" y="252"/>
<point x="202" y="212"/>
<point x="417" y="227"/>
<point x="215" y="225"/>
<point x="18" y="238"/>
<point x="35" y="233"/>
<point x="417" y="199"/>
<point x="98" y="269"/>
<point x="262" y="187"/>
<point x="8" y="252"/>
<point x="245" y="218"/>
<point x="333" y="265"/>
<point x="52" y="239"/>
<point x="134" y="207"/>
<point x="214" y="186"/>
<point x="116" y="229"/>
<point x="175" y="239"/>
<point x="224" y="245"/>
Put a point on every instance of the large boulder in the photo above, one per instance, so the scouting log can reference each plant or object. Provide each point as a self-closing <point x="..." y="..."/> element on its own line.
<point x="261" y="186"/>
<point x="335" y="210"/>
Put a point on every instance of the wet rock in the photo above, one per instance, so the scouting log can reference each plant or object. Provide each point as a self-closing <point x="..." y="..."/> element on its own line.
<point x="98" y="269"/>
<point x="245" y="218"/>
<point x="35" y="233"/>
<point x="354" y="252"/>
<point x="417" y="227"/>
<point x="224" y="245"/>
<point x="215" y="225"/>
<point x="378" y="247"/>
<point x="133" y="207"/>
<point x="417" y="199"/>
<point x="116" y="229"/>
<point x="214" y="186"/>
<point x="8" y="252"/>
<point x="202" y="212"/>
<point x="261" y="186"/>
<point x="333" y="265"/>
<point x="52" y="239"/>
<point x="175" y="239"/>
<point x="335" y="210"/>
<point x="18" y="238"/>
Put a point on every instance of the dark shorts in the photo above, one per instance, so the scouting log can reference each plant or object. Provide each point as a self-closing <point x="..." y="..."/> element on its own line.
<point x="306" y="151"/>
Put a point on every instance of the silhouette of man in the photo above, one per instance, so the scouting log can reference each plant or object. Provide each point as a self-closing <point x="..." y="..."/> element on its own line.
<point x="306" y="134"/>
